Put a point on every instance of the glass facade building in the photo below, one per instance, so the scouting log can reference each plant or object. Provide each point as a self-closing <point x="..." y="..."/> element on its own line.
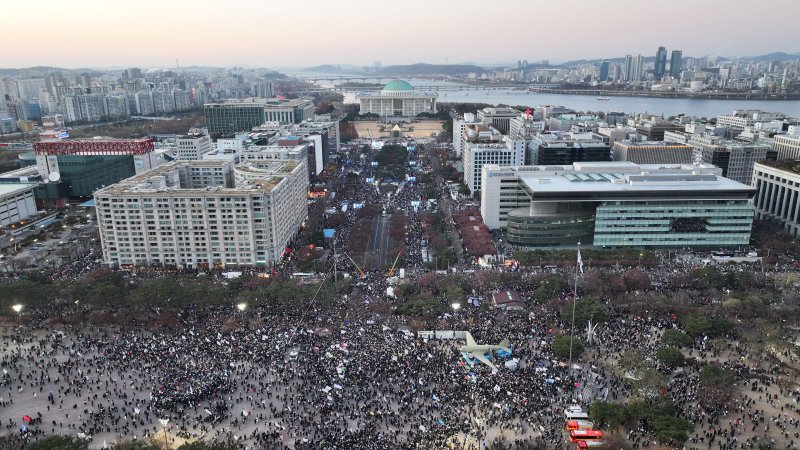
<point x="222" y="118"/>
<point x="653" y="224"/>
<point x="618" y="204"/>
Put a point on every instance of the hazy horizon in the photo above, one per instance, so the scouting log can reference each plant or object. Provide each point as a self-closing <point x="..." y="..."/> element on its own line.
<point x="305" y="33"/>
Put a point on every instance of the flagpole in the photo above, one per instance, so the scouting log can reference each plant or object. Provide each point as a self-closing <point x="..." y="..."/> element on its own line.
<point x="578" y="265"/>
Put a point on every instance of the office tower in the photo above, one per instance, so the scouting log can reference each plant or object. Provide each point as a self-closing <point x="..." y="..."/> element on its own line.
<point x="661" y="62"/>
<point x="603" y="71"/>
<point x="675" y="64"/>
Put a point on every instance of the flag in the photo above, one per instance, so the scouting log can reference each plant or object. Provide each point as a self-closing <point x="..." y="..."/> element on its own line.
<point x="580" y="262"/>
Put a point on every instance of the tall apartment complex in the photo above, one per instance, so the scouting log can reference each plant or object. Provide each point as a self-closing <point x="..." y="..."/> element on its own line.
<point x="203" y="214"/>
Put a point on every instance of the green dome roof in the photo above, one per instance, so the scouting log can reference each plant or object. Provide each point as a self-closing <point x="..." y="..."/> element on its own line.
<point x="398" y="85"/>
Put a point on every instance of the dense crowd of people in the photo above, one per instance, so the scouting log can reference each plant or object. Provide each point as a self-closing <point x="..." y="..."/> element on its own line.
<point x="262" y="379"/>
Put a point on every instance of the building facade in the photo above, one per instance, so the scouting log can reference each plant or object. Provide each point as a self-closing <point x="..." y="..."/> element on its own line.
<point x="617" y="204"/>
<point x="566" y="148"/>
<point x="192" y="146"/>
<point x="786" y="146"/>
<point x="778" y="193"/>
<point x="203" y="214"/>
<point x="397" y="99"/>
<point x="735" y="158"/>
<point x="482" y="145"/>
<point x="652" y="152"/>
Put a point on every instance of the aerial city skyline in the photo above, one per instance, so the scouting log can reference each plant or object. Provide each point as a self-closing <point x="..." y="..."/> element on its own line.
<point x="373" y="225"/>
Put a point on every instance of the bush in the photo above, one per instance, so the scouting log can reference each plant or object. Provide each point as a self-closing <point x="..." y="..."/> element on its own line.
<point x="561" y="347"/>
<point x="671" y="357"/>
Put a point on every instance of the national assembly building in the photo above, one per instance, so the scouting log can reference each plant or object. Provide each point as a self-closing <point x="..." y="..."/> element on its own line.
<point x="397" y="99"/>
<point x="617" y="204"/>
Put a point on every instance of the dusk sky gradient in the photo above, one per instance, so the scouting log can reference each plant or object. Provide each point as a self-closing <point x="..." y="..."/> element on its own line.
<point x="302" y="33"/>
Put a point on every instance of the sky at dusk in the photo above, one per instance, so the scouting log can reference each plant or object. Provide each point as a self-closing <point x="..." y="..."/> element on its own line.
<point x="301" y="33"/>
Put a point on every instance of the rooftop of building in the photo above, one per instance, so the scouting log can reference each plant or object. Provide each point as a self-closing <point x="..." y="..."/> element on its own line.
<point x="615" y="176"/>
<point x="257" y="176"/>
<point x="398" y="86"/>
<point x="14" y="188"/>
<point x="787" y="165"/>
<point x="652" y="144"/>
<point x="260" y="102"/>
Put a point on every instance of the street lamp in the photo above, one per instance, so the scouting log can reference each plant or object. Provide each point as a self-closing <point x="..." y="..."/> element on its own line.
<point x="455" y="306"/>
<point x="241" y="306"/>
<point x="17" y="308"/>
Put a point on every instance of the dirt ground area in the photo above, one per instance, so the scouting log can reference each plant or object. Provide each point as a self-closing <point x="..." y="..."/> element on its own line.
<point x="416" y="130"/>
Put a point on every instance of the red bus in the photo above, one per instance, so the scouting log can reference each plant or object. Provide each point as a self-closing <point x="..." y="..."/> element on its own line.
<point x="585" y="435"/>
<point x="579" y="425"/>
<point x="585" y="445"/>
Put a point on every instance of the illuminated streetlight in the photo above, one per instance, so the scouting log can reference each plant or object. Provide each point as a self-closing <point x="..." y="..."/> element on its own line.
<point x="17" y="308"/>
<point x="241" y="306"/>
<point x="456" y="306"/>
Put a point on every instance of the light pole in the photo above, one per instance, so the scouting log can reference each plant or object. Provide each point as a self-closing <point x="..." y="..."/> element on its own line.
<point x="17" y="308"/>
<point x="164" y="423"/>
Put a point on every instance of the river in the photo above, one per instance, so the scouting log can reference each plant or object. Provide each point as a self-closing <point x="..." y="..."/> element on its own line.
<point x="461" y="93"/>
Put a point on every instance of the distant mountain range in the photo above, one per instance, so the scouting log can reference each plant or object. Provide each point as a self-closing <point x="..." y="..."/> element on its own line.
<point x="431" y="69"/>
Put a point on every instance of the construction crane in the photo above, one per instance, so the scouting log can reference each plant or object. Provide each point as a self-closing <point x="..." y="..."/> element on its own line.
<point x="391" y="271"/>
<point x="360" y="271"/>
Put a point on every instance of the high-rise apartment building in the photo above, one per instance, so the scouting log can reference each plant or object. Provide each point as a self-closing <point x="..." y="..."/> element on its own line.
<point x="661" y="63"/>
<point x="633" y="68"/>
<point x="203" y="214"/>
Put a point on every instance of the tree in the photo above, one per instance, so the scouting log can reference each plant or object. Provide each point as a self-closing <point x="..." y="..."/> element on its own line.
<point x="585" y="309"/>
<point x="607" y="415"/>
<point x="671" y="357"/>
<point x="675" y="338"/>
<point x="59" y="443"/>
<point x="671" y="429"/>
<point x="561" y="346"/>
<point x="715" y="376"/>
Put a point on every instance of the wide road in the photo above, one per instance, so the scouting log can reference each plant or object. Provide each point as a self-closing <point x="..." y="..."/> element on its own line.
<point x="380" y="240"/>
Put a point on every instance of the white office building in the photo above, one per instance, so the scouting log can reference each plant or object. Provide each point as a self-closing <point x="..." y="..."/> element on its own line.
<point x="787" y="146"/>
<point x="192" y="146"/>
<point x="459" y="123"/>
<point x="778" y="193"/>
<point x="16" y="202"/>
<point x="203" y="214"/>
<point x="485" y="145"/>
